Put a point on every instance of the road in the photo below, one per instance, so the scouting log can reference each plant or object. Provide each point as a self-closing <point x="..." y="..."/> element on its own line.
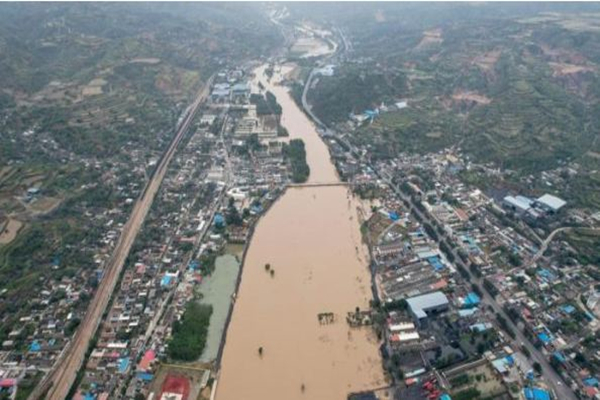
<point x="554" y="381"/>
<point x="57" y="383"/>
<point x="545" y="244"/>
<point x="305" y="105"/>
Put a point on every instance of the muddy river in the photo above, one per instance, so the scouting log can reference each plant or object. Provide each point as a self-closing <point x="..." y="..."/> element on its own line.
<point x="312" y="241"/>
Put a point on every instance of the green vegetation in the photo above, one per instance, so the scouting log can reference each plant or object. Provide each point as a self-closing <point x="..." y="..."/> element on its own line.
<point x="519" y="92"/>
<point x="265" y="105"/>
<point x="353" y="90"/>
<point x="467" y="394"/>
<point x="189" y="334"/>
<point x="460" y="380"/>
<point x="27" y="384"/>
<point x="296" y="154"/>
<point x="587" y="243"/>
<point x="88" y="94"/>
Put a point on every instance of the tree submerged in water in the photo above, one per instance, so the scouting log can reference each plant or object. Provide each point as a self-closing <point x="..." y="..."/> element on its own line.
<point x="267" y="267"/>
<point x="260" y="351"/>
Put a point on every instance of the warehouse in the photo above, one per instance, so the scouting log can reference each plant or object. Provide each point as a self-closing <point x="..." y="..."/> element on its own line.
<point x="424" y="305"/>
<point x="549" y="203"/>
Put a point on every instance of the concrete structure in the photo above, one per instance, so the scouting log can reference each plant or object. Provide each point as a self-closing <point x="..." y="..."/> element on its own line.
<point x="519" y="204"/>
<point x="550" y="203"/>
<point x="240" y="89"/>
<point x="422" y="306"/>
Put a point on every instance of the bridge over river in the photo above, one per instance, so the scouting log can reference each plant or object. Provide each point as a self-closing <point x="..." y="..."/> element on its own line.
<point x="317" y="184"/>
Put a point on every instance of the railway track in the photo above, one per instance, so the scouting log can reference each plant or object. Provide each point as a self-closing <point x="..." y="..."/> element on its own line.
<point x="58" y="382"/>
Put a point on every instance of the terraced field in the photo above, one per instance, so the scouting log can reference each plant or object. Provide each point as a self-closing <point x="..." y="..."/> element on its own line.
<point x="521" y="92"/>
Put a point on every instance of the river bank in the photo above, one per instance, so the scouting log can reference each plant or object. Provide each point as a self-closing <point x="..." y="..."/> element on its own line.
<point x="311" y="239"/>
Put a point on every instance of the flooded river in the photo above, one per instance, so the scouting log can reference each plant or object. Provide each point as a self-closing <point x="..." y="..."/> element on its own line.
<point x="312" y="241"/>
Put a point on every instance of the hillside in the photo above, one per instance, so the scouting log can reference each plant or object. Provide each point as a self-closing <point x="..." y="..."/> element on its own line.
<point x="90" y="95"/>
<point x="522" y="92"/>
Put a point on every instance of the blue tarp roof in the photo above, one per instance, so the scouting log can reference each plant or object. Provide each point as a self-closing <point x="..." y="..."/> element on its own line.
<point x="436" y="263"/>
<point x="544" y="337"/>
<point x="35" y="346"/>
<point x="166" y="280"/>
<point x="123" y="364"/>
<point x="530" y="375"/>
<point x="510" y="360"/>
<point x="219" y="219"/>
<point x="536" y="394"/>
<point x="393" y="216"/>
<point x="546" y="274"/>
<point x="559" y="356"/>
<point x="471" y="300"/>
<point x="568" y="308"/>
<point x="145" y="376"/>
<point x="591" y="381"/>
<point x="445" y="396"/>
<point x="89" y="396"/>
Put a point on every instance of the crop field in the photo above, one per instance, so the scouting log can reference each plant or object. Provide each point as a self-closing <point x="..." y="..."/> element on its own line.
<point x="9" y="230"/>
<point x="525" y="97"/>
<point x="88" y="95"/>
<point x="587" y="243"/>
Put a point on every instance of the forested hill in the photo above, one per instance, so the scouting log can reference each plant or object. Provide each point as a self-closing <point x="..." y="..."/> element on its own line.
<point x="90" y="96"/>
<point x="78" y="72"/>
<point x="514" y="84"/>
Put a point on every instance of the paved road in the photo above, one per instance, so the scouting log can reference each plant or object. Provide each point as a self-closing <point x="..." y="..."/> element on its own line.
<point x="554" y="381"/>
<point x="57" y="383"/>
<point x="562" y="391"/>
<point x="545" y="244"/>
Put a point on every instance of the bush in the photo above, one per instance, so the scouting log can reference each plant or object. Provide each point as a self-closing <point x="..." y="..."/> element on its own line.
<point x="189" y="334"/>
<point x="296" y="154"/>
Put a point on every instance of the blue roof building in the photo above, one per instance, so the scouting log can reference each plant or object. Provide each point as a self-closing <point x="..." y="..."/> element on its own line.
<point x="123" y="364"/>
<point x="145" y="376"/>
<point x="472" y="300"/>
<point x="219" y="220"/>
<point x="544" y="337"/>
<point x="436" y="263"/>
<point x="558" y="356"/>
<point x="536" y="394"/>
<point x="568" y="309"/>
<point x="591" y="381"/>
<point x="166" y="280"/>
<point x="35" y="346"/>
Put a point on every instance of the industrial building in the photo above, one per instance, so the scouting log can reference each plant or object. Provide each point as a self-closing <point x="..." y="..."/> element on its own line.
<point x="549" y="203"/>
<point x="534" y="208"/>
<point x="424" y="305"/>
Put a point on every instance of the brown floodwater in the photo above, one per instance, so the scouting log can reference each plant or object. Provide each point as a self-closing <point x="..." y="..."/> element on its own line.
<point x="311" y="239"/>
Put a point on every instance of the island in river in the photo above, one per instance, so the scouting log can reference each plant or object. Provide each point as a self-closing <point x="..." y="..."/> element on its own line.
<point x="311" y="239"/>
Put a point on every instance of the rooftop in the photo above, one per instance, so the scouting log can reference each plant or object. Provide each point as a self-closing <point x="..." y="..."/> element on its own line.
<point x="552" y="202"/>
<point x="421" y="304"/>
